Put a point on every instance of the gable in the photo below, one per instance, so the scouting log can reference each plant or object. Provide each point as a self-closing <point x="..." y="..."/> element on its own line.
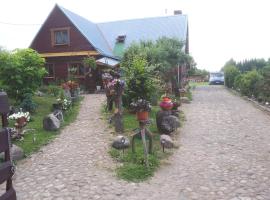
<point x="57" y="20"/>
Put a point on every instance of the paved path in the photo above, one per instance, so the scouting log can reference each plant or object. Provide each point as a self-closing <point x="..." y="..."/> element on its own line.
<point x="224" y="154"/>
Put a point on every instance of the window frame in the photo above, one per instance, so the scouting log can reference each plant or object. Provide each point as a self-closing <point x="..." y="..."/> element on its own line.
<point x="53" y="32"/>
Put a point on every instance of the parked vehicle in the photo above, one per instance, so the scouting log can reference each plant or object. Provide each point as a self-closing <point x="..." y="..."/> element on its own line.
<point x="216" y="78"/>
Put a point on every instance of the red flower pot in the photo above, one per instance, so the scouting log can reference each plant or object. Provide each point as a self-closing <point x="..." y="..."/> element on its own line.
<point x="166" y="103"/>
<point x="142" y="116"/>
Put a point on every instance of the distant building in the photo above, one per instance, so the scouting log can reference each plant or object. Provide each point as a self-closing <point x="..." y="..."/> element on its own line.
<point x="65" y="38"/>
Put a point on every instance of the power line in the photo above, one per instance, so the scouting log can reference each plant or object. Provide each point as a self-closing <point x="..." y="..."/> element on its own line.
<point x="15" y="24"/>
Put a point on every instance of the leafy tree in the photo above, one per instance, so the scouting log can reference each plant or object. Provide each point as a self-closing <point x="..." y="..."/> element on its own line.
<point x="21" y="72"/>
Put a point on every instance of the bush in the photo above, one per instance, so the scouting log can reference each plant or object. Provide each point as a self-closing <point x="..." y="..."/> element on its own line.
<point x="230" y="73"/>
<point x="247" y="83"/>
<point x="140" y="82"/>
<point x="21" y="72"/>
<point x="263" y="85"/>
<point x="28" y="104"/>
<point x="54" y="90"/>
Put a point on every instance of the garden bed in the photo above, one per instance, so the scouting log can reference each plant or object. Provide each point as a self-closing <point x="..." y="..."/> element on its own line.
<point x="37" y="137"/>
<point x="132" y="167"/>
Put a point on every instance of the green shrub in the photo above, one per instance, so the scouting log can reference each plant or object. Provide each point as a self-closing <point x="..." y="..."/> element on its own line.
<point x="247" y="83"/>
<point x="263" y="85"/>
<point x="54" y="90"/>
<point x="230" y="73"/>
<point x="28" y="104"/>
<point x="21" y="72"/>
<point x="140" y="83"/>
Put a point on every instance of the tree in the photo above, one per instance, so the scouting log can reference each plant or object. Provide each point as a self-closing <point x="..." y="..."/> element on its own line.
<point x="21" y="72"/>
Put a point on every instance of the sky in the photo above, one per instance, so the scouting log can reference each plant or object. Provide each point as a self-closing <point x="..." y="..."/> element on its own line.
<point x="218" y="29"/>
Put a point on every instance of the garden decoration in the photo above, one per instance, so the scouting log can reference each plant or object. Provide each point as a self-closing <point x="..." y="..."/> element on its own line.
<point x="167" y="118"/>
<point x="114" y="90"/>
<point x="109" y="90"/>
<point x="119" y="89"/>
<point x="142" y="106"/>
<point x="166" y="103"/>
<point x="21" y="121"/>
<point x="121" y="142"/>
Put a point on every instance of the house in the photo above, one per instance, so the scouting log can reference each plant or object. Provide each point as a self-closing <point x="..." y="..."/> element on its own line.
<point x="66" y="38"/>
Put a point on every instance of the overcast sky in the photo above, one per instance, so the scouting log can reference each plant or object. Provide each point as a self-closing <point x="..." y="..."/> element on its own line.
<point x="219" y="29"/>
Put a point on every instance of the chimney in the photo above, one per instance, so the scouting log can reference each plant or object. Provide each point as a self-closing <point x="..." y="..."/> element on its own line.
<point x="178" y="12"/>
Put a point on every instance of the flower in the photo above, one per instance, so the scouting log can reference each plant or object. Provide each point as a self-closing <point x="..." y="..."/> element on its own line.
<point x="20" y="114"/>
<point x="141" y="105"/>
<point x="65" y="103"/>
<point x="71" y="85"/>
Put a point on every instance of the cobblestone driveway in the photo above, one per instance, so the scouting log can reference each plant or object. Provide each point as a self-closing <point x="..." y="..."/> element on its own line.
<point x="224" y="154"/>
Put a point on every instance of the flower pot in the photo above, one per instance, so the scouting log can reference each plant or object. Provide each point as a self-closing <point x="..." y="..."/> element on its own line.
<point x="142" y="115"/>
<point x="166" y="103"/>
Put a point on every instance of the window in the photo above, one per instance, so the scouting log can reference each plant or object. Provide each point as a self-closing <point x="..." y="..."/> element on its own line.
<point x="60" y="36"/>
<point x="50" y="69"/>
<point x="76" y="69"/>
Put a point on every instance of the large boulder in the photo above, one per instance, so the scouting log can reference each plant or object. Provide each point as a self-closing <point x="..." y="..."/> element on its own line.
<point x="166" y="122"/>
<point x="120" y="142"/>
<point x="166" y="141"/>
<point x="51" y="123"/>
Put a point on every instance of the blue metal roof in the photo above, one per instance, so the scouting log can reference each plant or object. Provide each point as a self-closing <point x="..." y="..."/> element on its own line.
<point x="103" y="35"/>
<point x="145" y="29"/>
<point x="90" y="31"/>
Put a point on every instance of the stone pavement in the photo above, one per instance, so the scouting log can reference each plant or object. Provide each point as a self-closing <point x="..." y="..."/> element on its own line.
<point x="224" y="154"/>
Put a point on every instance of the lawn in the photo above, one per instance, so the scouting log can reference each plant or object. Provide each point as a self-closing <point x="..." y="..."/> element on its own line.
<point x="43" y="137"/>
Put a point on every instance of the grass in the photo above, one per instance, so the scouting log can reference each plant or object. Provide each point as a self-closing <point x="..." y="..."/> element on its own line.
<point x="195" y="84"/>
<point x="132" y="166"/>
<point x="43" y="137"/>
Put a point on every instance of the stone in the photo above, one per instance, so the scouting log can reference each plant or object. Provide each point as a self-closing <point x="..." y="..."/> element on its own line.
<point x="120" y="142"/>
<point x="51" y="123"/>
<point x="16" y="152"/>
<point x="166" y="122"/>
<point x="166" y="141"/>
<point x="184" y="100"/>
<point x="59" y="115"/>
<point x="170" y="124"/>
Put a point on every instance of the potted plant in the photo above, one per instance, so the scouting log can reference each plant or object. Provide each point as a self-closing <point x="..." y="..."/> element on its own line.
<point x="142" y="109"/>
<point x="21" y="118"/>
<point x="166" y="103"/>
